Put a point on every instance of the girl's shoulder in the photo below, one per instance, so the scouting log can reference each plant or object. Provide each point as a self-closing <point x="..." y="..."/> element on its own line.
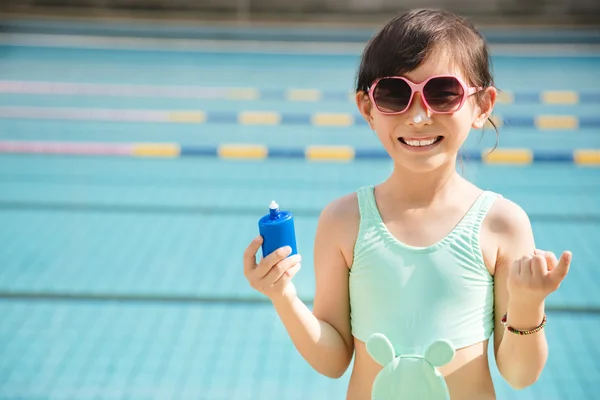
<point x="506" y="217"/>
<point x="339" y="223"/>
<point x="509" y="232"/>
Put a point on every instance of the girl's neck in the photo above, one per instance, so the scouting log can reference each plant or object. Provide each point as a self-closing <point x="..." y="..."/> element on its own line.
<point x="422" y="188"/>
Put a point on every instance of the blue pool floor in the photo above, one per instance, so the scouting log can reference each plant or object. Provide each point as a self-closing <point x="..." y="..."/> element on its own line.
<point x="103" y="350"/>
<point x="143" y="230"/>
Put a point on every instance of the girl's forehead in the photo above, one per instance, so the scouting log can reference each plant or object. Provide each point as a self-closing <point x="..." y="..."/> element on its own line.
<point x="435" y="64"/>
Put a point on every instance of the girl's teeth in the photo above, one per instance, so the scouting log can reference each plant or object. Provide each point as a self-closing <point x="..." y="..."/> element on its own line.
<point x="419" y="142"/>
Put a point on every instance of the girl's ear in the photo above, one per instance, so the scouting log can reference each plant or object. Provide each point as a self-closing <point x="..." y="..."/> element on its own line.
<point x="485" y="107"/>
<point x="363" y="102"/>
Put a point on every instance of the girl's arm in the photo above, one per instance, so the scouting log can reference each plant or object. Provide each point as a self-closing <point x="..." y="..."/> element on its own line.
<point x="322" y="336"/>
<point x="524" y="278"/>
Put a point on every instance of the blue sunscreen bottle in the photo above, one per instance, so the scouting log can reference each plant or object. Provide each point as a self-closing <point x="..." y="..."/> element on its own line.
<point x="277" y="230"/>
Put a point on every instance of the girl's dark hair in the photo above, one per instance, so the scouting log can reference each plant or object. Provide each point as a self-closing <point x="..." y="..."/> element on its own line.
<point x="408" y="39"/>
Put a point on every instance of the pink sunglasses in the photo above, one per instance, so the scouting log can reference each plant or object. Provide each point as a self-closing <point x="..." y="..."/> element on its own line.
<point x="442" y="94"/>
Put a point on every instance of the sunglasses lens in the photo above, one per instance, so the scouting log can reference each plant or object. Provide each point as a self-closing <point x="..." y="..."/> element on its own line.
<point x="391" y="95"/>
<point x="443" y="94"/>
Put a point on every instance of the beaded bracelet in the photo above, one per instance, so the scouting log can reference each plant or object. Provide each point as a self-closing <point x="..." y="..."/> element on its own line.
<point x="529" y="332"/>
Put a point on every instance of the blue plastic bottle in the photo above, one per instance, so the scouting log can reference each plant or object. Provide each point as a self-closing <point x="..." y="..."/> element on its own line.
<point x="277" y="230"/>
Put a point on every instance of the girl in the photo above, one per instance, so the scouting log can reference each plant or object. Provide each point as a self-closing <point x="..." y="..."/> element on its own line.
<point x="424" y="255"/>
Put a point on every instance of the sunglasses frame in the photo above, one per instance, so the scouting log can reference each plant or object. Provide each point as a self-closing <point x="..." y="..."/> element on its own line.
<point x="418" y="87"/>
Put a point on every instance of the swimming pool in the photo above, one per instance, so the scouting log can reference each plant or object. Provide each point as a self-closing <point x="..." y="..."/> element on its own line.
<point x="120" y="269"/>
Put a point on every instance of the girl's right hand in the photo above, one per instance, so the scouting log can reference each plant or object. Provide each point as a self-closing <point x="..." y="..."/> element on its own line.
<point x="272" y="276"/>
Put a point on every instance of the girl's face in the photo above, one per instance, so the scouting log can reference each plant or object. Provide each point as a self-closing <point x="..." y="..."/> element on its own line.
<point x="418" y="139"/>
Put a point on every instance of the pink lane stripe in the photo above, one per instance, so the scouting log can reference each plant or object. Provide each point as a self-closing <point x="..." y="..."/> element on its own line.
<point x="74" y="88"/>
<point x="84" y="114"/>
<point x="65" y="148"/>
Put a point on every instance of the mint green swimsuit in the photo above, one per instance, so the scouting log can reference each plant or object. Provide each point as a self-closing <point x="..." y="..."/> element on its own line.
<point x="416" y="297"/>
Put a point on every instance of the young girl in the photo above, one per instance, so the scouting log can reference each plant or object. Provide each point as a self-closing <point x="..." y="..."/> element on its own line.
<point x="424" y="255"/>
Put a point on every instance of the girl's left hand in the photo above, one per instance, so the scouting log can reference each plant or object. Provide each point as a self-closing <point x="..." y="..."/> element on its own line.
<point x="533" y="278"/>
